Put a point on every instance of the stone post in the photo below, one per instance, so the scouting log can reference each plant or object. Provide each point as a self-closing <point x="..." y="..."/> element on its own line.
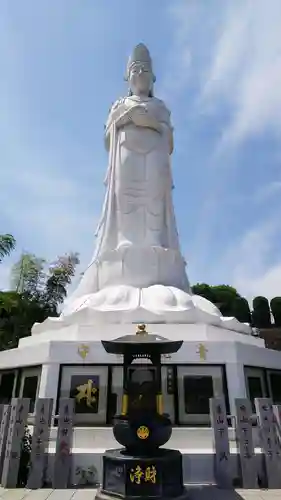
<point x="221" y="442"/>
<point x="18" y="418"/>
<point x="4" y="426"/>
<point x="244" y="436"/>
<point x="268" y="439"/>
<point x="40" y="443"/>
<point x="277" y="418"/>
<point x="62" y="465"/>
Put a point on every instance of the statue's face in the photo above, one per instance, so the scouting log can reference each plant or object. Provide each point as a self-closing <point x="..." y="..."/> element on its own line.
<point x="140" y="79"/>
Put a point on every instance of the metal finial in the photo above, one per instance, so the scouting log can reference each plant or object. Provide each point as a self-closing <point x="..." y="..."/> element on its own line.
<point x="141" y="329"/>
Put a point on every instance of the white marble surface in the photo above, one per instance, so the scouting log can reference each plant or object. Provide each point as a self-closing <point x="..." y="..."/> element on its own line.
<point x="137" y="273"/>
<point x="191" y="440"/>
<point x="58" y="347"/>
<point x="62" y="346"/>
<point x="152" y="305"/>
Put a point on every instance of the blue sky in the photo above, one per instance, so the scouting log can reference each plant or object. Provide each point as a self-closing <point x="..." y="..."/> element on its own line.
<point x="218" y="67"/>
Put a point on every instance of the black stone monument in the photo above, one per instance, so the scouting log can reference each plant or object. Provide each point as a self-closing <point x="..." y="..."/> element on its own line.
<point x="141" y="469"/>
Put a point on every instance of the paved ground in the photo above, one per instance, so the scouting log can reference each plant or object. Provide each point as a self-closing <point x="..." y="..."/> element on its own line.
<point x="195" y="493"/>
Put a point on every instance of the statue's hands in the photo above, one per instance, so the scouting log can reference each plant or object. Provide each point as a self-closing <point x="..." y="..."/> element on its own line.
<point x="142" y="118"/>
<point x="139" y="115"/>
<point x="123" y="119"/>
<point x="147" y="121"/>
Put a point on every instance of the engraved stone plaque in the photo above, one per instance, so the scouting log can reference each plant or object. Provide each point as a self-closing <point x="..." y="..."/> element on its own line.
<point x="40" y="442"/>
<point x="221" y="442"/>
<point x="268" y="437"/>
<point x="18" y="418"/>
<point x="244" y="436"/>
<point x="4" y="426"/>
<point x="62" y="465"/>
<point x="277" y="418"/>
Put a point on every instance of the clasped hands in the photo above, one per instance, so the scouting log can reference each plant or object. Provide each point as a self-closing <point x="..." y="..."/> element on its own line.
<point x="140" y="116"/>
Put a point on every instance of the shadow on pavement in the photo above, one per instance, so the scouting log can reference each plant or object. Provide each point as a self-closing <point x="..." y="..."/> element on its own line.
<point x="210" y="492"/>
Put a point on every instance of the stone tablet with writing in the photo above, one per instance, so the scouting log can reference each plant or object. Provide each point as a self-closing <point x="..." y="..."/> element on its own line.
<point x="62" y="465"/>
<point x="277" y="417"/>
<point x="222" y="453"/>
<point x="18" y="419"/>
<point x="4" y="425"/>
<point x="268" y="439"/>
<point x="40" y="443"/>
<point x="244" y="436"/>
<point x="277" y="420"/>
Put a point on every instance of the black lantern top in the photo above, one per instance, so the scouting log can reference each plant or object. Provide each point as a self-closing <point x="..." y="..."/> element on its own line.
<point x="142" y="425"/>
<point x="141" y="344"/>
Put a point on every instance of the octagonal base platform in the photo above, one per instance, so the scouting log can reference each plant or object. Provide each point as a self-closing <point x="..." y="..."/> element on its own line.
<point x="150" y="477"/>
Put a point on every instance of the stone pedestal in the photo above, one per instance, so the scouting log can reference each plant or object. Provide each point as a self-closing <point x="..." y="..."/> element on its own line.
<point x="155" y="477"/>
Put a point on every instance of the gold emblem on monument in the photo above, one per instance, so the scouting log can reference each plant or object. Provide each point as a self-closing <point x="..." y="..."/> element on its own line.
<point x="83" y="351"/>
<point x="202" y="351"/>
<point x="88" y="392"/>
<point x="143" y="432"/>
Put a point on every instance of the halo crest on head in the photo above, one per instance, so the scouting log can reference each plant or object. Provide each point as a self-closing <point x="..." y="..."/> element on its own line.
<point x="140" y="55"/>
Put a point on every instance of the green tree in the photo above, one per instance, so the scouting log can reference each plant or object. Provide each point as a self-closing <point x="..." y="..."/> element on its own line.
<point x="18" y="313"/>
<point x="222" y="296"/>
<point x="241" y="310"/>
<point x="204" y="290"/>
<point x="7" y="245"/>
<point x="225" y="297"/>
<point x="275" y="306"/>
<point x="61" y="273"/>
<point x="27" y="275"/>
<point x="37" y="294"/>
<point x="14" y="308"/>
<point x="261" y="312"/>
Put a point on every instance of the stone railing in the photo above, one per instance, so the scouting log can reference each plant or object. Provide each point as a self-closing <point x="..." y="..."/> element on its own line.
<point x="25" y="458"/>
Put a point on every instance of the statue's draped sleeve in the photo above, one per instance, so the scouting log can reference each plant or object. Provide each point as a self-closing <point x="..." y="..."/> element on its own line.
<point x="164" y="118"/>
<point x="117" y="110"/>
<point x="104" y="228"/>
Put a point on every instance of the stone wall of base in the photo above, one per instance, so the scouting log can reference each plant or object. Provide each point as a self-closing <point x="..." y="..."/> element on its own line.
<point x="198" y="468"/>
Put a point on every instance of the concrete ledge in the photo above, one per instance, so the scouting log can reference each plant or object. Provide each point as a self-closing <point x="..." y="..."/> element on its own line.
<point x="198" y="438"/>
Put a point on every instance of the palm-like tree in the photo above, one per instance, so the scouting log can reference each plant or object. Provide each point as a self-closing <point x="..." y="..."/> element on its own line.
<point x="7" y="245"/>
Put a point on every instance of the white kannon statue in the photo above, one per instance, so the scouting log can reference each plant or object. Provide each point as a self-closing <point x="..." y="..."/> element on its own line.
<point x="137" y="272"/>
<point x="138" y="207"/>
<point x="137" y="240"/>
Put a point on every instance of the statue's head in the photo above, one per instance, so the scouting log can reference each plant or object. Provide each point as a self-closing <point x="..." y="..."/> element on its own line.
<point x="139" y="72"/>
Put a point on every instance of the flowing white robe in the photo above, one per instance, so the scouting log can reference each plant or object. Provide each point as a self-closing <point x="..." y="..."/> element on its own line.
<point x="138" y="200"/>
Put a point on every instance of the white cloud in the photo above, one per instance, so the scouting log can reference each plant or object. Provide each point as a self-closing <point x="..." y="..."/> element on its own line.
<point x="245" y="69"/>
<point x="49" y="210"/>
<point x="49" y="199"/>
<point x="5" y="270"/>
<point x="267" y="284"/>
<point x="250" y="264"/>
<point x="191" y="46"/>
<point x="234" y="77"/>
<point x="267" y="191"/>
<point x="231" y="51"/>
